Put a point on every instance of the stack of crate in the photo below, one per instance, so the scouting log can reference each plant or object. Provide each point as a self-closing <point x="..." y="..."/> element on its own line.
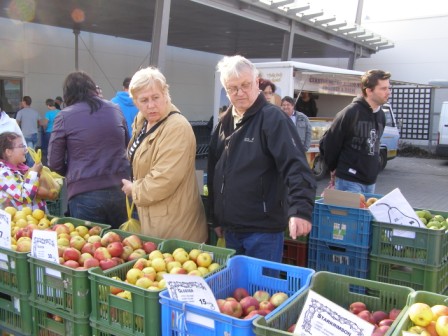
<point x="340" y="239"/>
<point x="415" y="257"/>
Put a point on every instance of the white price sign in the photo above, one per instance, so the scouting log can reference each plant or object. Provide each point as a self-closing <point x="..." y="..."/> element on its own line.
<point x="192" y="289"/>
<point x="5" y="229"/>
<point x="44" y="245"/>
<point x="321" y="316"/>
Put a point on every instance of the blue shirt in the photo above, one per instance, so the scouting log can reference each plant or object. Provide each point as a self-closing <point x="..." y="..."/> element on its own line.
<point x="50" y="115"/>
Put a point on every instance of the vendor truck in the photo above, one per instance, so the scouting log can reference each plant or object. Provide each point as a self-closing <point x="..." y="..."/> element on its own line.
<point x="333" y="89"/>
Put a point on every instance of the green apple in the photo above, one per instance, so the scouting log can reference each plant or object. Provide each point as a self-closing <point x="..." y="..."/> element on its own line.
<point x="420" y="313"/>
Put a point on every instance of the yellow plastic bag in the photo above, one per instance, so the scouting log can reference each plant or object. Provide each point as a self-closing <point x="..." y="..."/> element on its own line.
<point x="48" y="179"/>
<point x="131" y="225"/>
<point x="221" y="242"/>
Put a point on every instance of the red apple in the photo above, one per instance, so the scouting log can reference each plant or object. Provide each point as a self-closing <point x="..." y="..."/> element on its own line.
<point x="442" y="325"/>
<point x="380" y="331"/>
<point x="250" y="315"/>
<point x="101" y="253"/>
<point x="107" y="263"/>
<point x="84" y="257"/>
<point x="266" y="305"/>
<point x="118" y="260"/>
<point x="291" y="328"/>
<point x="240" y="293"/>
<point x="71" y="253"/>
<point x="71" y="263"/>
<point x="149" y="247"/>
<point x="115" y="249"/>
<point x="386" y="322"/>
<point x="135" y="255"/>
<point x="249" y="303"/>
<point x="95" y="231"/>
<point x="232" y="308"/>
<point x="366" y="316"/>
<point x="89" y="263"/>
<point x="88" y="248"/>
<point x="262" y="295"/>
<point x="278" y="298"/>
<point x="178" y="270"/>
<point x="141" y="263"/>
<point x="133" y="241"/>
<point x="394" y="312"/>
<point x="378" y="316"/>
<point x="24" y="232"/>
<point x="61" y="228"/>
<point x="220" y="303"/>
<point x="110" y="237"/>
<point x="357" y="307"/>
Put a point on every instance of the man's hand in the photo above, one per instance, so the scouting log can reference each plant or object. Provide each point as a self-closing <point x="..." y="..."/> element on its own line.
<point x="219" y="232"/>
<point x="298" y="227"/>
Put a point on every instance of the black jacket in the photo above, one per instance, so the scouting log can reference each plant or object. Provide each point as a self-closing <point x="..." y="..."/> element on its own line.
<point x="258" y="175"/>
<point x="352" y="144"/>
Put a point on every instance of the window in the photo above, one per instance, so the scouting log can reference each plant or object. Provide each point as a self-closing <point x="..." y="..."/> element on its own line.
<point x="10" y="94"/>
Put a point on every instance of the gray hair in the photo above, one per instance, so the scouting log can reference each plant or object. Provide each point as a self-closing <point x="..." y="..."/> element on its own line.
<point x="149" y="77"/>
<point x="233" y="66"/>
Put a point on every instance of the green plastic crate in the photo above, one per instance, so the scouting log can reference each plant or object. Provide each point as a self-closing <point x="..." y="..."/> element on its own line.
<point x="141" y="315"/>
<point x="14" y="272"/>
<point x="419" y="296"/>
<point x="336" y="288"/>
<point x="423" y="246"/>
<point x="57" y="286"/>
<point x="45" y="322"/>
<point x="416" y="276"/>
<point x="15" y="314"/>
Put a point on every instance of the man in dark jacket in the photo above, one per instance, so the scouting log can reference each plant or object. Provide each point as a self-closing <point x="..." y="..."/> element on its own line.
<point x="352" y="144"/>
<point x="258" y="175"/>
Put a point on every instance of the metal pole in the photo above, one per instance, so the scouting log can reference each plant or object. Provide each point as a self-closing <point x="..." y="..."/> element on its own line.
<point x="352" y="58"/>
<point x="160" y="33"/>
<point x="76" y="32"/>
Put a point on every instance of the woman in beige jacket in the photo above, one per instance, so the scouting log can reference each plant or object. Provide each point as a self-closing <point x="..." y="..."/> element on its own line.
<point x="162" y="152"/>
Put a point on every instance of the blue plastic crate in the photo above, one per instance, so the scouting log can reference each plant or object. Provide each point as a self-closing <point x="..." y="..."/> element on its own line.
<point x="342" y="225"/>
<point x="338" y="258"/>
<point x="241" y="271"/>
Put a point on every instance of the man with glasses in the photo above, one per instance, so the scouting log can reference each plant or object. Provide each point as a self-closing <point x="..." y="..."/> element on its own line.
<point x="258" y="176"/>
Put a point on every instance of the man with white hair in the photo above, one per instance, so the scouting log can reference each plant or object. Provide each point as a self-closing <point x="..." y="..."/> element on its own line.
<point x="258" y="175"/>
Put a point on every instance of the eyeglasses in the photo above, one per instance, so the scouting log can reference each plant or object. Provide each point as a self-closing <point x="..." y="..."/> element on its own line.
<point x="233" y="90"/>
<point x="20" y="146"/>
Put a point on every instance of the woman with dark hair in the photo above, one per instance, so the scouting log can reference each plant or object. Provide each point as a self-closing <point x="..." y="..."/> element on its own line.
<point x="19" y="184"/>
<point x="268" y="88"/>
<point x="88" y="146"/>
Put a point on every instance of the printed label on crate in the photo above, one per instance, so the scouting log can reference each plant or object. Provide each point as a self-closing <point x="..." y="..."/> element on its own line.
<point x="193" y="290"/>
<point x="394" y="208"/>
<point x="321" y="316"/>
<point x="339" y="231"/>
<point x="4" y="262"/>
<point x="44" y="246"/>
<point x="5" y="230"/>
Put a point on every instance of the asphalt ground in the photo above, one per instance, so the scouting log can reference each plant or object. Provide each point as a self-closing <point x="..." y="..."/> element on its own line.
<point x="422" y="181"/>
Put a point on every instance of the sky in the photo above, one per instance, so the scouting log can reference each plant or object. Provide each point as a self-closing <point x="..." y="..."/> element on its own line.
<point x="377" y="10"/>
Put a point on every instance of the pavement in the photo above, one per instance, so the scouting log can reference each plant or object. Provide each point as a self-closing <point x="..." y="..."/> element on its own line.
<point x="423" y="182"/>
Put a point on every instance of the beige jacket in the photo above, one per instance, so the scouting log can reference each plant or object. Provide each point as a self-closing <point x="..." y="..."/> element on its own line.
<point x="165" y="189"/>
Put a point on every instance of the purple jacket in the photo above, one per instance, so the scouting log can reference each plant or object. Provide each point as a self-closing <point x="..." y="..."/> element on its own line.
<point x="89" y="149"/>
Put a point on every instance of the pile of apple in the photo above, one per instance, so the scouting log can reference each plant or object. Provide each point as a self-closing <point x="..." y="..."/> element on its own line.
<point x="245" y="306"/>
<point x="433" y="222"/>
<point x="428" y="320"/>
<point x="147" y="272"/>
<point x="82" y="248"/>
<point x="381" y="319"/>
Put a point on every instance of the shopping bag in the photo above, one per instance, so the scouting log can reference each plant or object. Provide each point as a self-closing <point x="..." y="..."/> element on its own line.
<point x="221" y="242"/>
<point x="48" y="179"/>
<point x="131" y="225"/>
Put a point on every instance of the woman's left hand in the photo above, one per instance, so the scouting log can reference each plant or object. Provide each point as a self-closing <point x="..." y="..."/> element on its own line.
<point x="127" y="187"/>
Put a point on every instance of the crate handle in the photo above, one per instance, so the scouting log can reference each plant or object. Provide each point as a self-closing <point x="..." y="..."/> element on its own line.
<point x="339" y="212"/>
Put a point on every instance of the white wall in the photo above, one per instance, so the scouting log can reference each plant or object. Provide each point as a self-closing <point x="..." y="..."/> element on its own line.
<point x="43" y="56"/>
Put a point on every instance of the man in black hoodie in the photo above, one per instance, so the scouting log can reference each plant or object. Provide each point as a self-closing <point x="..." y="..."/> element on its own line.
<point x="259" y="180"/>
<point x="351" y="146"/>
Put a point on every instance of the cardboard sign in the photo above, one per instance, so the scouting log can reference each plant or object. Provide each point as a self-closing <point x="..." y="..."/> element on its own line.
<point x="194" y="290"/>
<point x="341" y="198"/>
<point x="44" y="246"/>
<point x="321" y="316"/>
<point x="5" y="230"/>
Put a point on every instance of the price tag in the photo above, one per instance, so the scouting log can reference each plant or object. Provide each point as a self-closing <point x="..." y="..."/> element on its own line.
<point x="44" y="245"/>
<point x="5" y="230"/>
<point x="194" y="290"/>
<point x="321" y="316"/>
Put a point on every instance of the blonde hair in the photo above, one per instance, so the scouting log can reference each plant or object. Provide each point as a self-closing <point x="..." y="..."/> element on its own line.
<point x="149" y="77"/>
<point x="233" y="66"/>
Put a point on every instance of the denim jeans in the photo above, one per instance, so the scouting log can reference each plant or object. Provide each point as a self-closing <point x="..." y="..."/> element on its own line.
<point x="267" y="246"/>
<point x="355" y="187"/>
<point x="104" y="206"/>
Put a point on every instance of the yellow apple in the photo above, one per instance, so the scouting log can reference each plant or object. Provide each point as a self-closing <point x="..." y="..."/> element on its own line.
<point x="439" y="310"/>
<point x="420" y="313"/>
<point x="442" y="326"/>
